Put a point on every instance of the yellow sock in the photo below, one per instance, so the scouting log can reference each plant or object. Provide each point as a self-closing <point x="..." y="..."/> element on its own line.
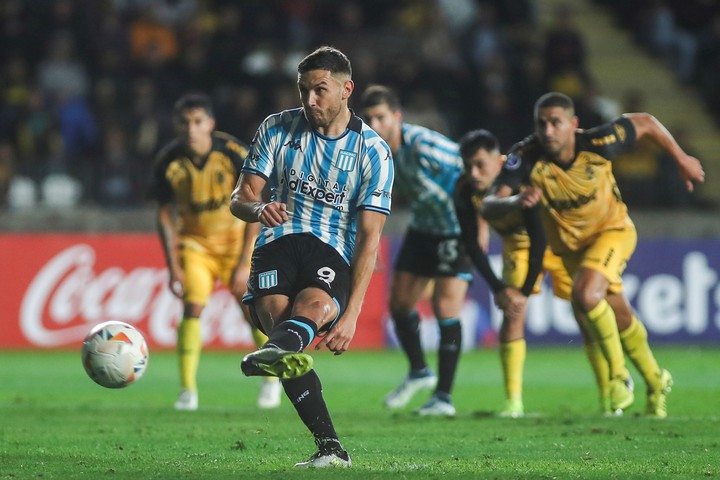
<point x="635" y="344"/>
<point x="512" y="358"/>
<point x="258" y="337"/>
<point x="189" y="345"/>
<point x="603" y="328"/>
<point x="600" y="367"/>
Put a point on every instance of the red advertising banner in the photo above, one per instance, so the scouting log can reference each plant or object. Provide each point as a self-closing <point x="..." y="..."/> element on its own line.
<point x="55" y="287"/>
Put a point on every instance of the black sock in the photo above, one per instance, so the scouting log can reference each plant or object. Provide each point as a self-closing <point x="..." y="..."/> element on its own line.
<point x="407" y="329"/>
<point x="293" y="335"/>
<point x="448" y="353"/>
<point x="305" y="393"/>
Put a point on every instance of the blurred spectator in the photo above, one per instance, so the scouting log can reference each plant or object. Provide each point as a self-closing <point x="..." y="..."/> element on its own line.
<point x="77" y="126"/>
<point x="61" y="74"/>
<point x="483" y="39"/>
<point x="662" y="35"/>
<point x="117" y="176"/>
<point x="111" y="46"/>
<point x="149" y="121"/>
<point x="499" y="116"/>
<point x="87" y="86"/>
<point x="225" y="44"/>
<point x="526" y="85"/>
<point x="15" y="93"/>
<point x="173" y="13"/>
<point x="565" y="45"/>
<point x="239" y="111"/>
<point x="565" y="58"/>
<point x="193" y="68"/>
<point x="33" y="134"/>
<point x="149" y="37"/>
<point x="71" y="18"/>
<point x="17" y="28"/>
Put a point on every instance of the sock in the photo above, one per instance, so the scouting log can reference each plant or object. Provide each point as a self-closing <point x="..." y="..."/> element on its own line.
<point x="512" y="358"/>
<point x="635" y="344"/>
<point x="448" y="353"/>
<point x="189" y="345"/>
<point x="293" y="335"/>
<point x="305" y="393"/>
<point x="258" y="337"/>
<point x="407" y="329"/>
<point x="603" y="328"/>
<point x="600" y="367"/>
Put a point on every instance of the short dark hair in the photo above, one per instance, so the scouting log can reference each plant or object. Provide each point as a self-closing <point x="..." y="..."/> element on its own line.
<point x="475" y="140"/>
<point x="377" y="95"/>
<point x="326" y="58"/>
<point x="554" y="99"/>
<point x="190" y="101"/>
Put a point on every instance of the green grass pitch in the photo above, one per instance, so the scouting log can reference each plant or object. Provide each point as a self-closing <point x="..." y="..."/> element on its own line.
<point x="56" y="424"/>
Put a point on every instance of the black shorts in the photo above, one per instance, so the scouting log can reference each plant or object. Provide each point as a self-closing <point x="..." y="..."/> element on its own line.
<point x="295" y="262"/>
<point x="429" y="255"/>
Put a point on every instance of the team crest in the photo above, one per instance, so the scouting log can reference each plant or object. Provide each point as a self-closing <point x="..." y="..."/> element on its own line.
<point x="267" y="279"/>
<point x="345" y="160"/>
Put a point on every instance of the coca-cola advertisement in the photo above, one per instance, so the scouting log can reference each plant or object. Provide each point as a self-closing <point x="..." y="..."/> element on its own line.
<point x="55" y="287"/>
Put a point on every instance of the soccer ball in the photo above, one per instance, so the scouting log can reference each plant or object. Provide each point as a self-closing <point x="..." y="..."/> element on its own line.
<point x="114" y="354"/>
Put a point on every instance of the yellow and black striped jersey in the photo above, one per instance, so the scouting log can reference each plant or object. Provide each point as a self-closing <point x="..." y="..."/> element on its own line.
<point x="202" y="193"/>
<point x="581" y="199"/>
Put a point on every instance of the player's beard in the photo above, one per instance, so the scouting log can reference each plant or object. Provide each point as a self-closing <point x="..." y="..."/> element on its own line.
<point x="552" y="149"/>
<point x="320" y="118"/>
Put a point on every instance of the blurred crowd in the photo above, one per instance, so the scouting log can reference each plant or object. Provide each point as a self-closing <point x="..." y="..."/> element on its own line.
<point x="87" y="86"/>
<point x="685" y="34"/>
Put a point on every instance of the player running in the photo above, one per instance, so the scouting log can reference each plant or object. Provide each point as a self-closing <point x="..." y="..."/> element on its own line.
<point x="568" y="172"/>
<point x="522" y="271"/>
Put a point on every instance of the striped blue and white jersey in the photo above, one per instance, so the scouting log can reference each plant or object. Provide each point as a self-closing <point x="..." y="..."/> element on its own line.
<point x="324" y="181"/>
<point x="427" y="166"/>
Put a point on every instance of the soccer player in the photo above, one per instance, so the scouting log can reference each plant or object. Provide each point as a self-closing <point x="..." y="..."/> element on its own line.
<point x="480" y="151"/>
<point x="202" y="241"/>
<point x="482" y="159"/>
<point x="331" y="178"/>
<point x="427" y="165"/>
<point x="568" y="172"/>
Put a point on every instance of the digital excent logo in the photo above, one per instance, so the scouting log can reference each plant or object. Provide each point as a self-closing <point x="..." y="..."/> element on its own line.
<point x="317" y="188"/>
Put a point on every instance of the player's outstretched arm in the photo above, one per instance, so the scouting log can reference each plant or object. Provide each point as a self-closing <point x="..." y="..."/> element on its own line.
<point x="369" y="231"/>
<point x="246" y="202"/>
<point x="647" y="125"/>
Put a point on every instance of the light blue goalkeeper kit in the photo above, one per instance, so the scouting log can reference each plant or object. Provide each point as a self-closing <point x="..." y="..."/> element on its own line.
<point x="427" y="166"/>
<point x="323" y="181"/>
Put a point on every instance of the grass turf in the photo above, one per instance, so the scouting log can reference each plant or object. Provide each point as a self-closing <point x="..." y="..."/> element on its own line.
<point x="56" y="424"/>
